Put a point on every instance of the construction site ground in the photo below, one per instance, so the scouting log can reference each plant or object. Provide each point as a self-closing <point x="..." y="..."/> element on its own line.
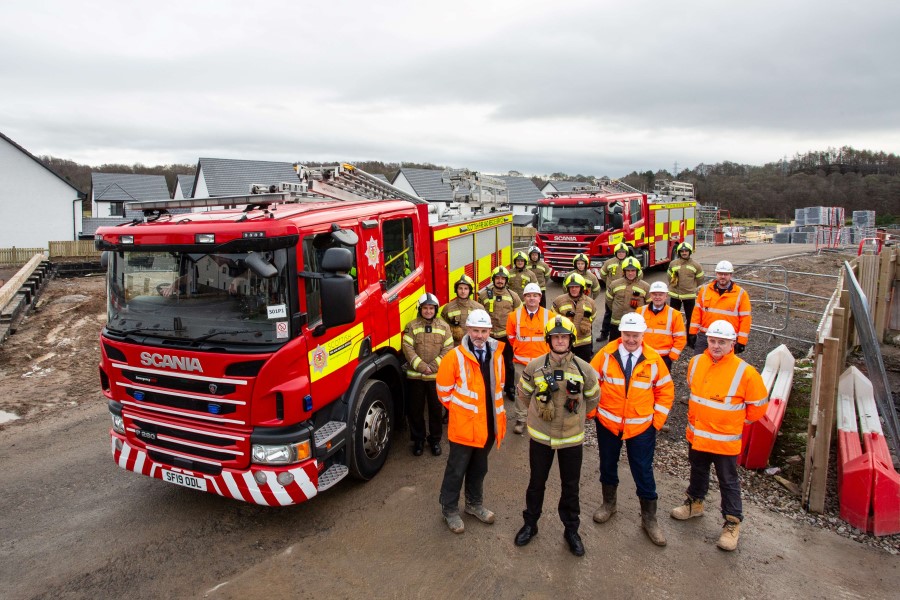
<point x="76" y="526"/>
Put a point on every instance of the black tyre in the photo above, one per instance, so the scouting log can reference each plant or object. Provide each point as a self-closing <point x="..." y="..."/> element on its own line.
<point x="370" y="435"/>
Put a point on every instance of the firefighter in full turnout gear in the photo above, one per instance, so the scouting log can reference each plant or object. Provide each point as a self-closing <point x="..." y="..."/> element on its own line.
<point x="525" y="333"/>
<point x="726" y="393"/>
<point x="610" y="271"/>
<point x="498" y="300"/>
<point x="721" y="299"/>
<point x="470" y="385"/>
<point x="520" y="275"/>
<point x="541" y="270"/>
<point x="636" y="393"/>
<point x="626" y="294"/>
<point x="426" y="340"/>
<point x="559" y="389"/>
<point x="580" y="265"/>
<point x="457" y="310"/>
<point x="665" y="326"/>
<point x="685" y="277"/>
<point x="579" y="308"/>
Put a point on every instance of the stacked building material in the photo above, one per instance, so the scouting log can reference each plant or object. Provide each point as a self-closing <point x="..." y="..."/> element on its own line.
<point x="822" y="225"/>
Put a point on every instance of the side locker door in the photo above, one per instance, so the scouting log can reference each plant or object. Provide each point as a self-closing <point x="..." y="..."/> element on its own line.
<point x="676" y="228"/>
<point x="504" y="244"/>
<point x="689" y="216"/>
<point x="402" y="276"/>
<point x="659" y="240"/>
<point x="460" y="261"/>
<point x="485" y="255"/>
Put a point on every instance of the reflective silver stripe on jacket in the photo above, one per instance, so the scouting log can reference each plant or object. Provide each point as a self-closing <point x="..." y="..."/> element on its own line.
<point x="617" y="419"/>
<point x="716" y="404"/>
<point x="519" y="312"/>
<point x="714" y="436"/>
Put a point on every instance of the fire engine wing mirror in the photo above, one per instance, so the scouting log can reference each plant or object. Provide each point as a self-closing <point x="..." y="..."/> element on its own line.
<point x="104" y="259"/>
<point x="347" y="237"/>
<point x="337" y="260"/>
<point x="260" y="265"/>
<point x="534" y="219"/>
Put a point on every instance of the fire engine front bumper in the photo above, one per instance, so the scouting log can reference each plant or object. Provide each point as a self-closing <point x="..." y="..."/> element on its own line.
<point x="239" y="485"/>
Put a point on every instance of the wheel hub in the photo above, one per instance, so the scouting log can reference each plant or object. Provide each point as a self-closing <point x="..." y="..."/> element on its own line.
<point x="376" y="430"/>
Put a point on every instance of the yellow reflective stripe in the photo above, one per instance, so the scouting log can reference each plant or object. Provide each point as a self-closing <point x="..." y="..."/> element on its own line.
<point x="714" y="436"/>
<point x="416" y="362"/>
<point x="438" y="331"/>
<point x="592" y="391"/>
<point x="575" y="377"/>
<point x="453" y="313"/>
<point x="408" y="339"/>
<point x="448" y="341"/>
<point x="526" y="386"/>
<point x="418" y="330"/>
<point x="437" y="359"/>
<point x="572" y="439"/>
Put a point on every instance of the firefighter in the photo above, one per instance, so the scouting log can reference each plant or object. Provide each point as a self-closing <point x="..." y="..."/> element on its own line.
<point x="470" y="385"/>
<point x="525" y="333"/>
<point x="457" y="310"/>
<point x="721" y="299"/>
<point x="520" y="275"/>
<point x="578" y="306"/>
<point x="498" y="300"/>
<point x="559" y="389"/>
<point x="426" y="340"/>
<point x="726" y="392"/>
<point x="685" y="277"/>
<point x="581" y="264"/>
<point x="610" y="271"/>
<point x="636" y="393"/>
<point x="665" y="325"/>
<point x="626" y="294"/>
<point x="541" y="270"/>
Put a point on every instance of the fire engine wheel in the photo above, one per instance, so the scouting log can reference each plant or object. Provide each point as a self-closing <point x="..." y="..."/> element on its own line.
<point x="370" y="439"/>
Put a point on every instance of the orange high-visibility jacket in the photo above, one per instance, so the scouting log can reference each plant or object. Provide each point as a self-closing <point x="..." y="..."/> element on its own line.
<point x="649" y="396"/>
<point x="724" y="396"/>
<point x="462" y="390"/>
<point x="526" y="334"/>
<point x="732" y="306"/>
<point x="665" y="331"/>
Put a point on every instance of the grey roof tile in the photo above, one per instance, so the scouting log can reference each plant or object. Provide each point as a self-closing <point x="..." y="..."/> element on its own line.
<point x="127" y="187"/>
<point x="521" y="190"/>
<point x="427" y="184"/>
<point x="187" y="184"/>
<point x="230" y="177"/>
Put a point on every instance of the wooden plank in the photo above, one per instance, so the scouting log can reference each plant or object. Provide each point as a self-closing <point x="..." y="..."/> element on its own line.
<point x="824" y="424"/>
<point x="812" y="426"/>
<point x="883" y="294"/>
<point x="11" y="287"/>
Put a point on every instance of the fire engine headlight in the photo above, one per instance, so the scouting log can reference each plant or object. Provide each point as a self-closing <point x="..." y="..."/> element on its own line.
<point x="596" y="264"/>
<point x="126" y="239"/>
<point x="118" y="423"/>
<point x="205" y="238"/>
<point x="282" y="454"/>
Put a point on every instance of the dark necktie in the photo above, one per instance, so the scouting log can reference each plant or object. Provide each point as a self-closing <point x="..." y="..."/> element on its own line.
<point x="628" y="367"/>
<point x="479" y="352"/>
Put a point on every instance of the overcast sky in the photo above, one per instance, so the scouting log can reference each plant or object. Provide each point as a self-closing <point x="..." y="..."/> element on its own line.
<point x="596" y="87"/>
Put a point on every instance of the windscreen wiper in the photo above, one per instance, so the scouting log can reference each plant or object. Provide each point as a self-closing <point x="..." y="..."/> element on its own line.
<point x="220" y="332"/>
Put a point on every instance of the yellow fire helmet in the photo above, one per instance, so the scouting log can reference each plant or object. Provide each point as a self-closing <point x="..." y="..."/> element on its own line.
<point x="632" y="263"/>
<point x="575" y="279"/>
<point x="500" y="271"/>
<point x="560" y="325"/>
<point x="685" y="246"/>
<point x="465" y="280"/>
<point x="622" y="247"/>
<point x="583" y="257"/>
<point x="520" y="256"/>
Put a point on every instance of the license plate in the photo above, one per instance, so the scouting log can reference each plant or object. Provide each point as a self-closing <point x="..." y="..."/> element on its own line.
<point x="195" y="483"/>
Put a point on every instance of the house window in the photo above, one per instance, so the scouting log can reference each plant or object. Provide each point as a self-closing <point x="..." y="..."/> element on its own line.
<point x="399" y="253"/>
<point x="117" y="209"/>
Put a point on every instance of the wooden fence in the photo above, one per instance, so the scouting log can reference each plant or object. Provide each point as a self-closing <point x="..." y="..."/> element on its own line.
<point x="16" y="257"/>
<point x="878" y="275"/>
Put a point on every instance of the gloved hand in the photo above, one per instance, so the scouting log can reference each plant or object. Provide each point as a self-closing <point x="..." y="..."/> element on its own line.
<point x="570" y="314"/>
<point x="692" y="340"/>
<point x="587" y="313"/>
<point x="738" y="348"/>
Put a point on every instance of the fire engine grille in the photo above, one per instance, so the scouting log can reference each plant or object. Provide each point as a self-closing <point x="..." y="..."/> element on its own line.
<point x="185" y="447"/>
<point x="559" y="254"/>
<point x="211" y="406"/>
<point x="177" y="461"/>
<point x="177" y="383"/>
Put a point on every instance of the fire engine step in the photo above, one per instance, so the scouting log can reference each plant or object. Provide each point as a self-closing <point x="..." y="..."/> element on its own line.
<point x="331" y="476"/>
<point x="329" y="438"/>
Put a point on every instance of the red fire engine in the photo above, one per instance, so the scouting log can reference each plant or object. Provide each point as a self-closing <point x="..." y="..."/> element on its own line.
<point x="593" y="219"/>
<point x="254" y="352"/>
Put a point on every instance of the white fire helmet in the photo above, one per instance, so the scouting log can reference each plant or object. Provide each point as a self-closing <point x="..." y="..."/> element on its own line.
<point x="724" y="266"/>
<point x="721" y="329"/>
<point x="532" y="288"/>
<point x="659" y="286"/>
<point x="478" y="318"/>
<point x="633" y="322"/>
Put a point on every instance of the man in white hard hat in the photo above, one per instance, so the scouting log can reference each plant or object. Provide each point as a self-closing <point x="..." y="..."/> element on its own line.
<point x="665" y="325"/>
<point x="525" y="332"/>
<point x="726" y="392"/>
<point x="470" y="386"/>
<point x="636" y="393"/>
<point x="721" y="299"/>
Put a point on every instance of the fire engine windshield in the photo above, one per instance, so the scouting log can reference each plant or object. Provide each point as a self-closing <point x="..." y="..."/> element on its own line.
<point x="199" y="297"/>
<point x="571" y="219"/>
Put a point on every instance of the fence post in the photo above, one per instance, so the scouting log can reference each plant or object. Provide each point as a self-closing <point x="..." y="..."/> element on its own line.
<point x="824" y="395"/>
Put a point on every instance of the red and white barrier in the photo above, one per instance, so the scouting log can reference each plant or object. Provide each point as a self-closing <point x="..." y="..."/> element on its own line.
<point x="758" y="438"/>
<point x="868" y="484"/>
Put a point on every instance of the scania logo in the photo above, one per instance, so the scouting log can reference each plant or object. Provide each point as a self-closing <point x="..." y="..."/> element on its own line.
<point x="565" y="238"/>
<point x="167" y="361"/>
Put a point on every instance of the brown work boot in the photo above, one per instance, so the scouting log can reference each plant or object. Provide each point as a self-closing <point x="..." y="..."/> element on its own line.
<point x="519" y="427"/>
<point x="480" y="512"/>
<point x="649" y="523"/>
<point x="692" y="507"/>
<point x="731" y="531"/>
<point x="608" y="508"/>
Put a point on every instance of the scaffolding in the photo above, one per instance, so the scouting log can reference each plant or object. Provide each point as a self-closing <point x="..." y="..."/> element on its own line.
<point x="707" y="221"/>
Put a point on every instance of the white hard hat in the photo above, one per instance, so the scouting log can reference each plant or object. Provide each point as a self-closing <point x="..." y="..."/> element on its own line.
<point x="633" y="322"/>
<point x="724" y="266"/>
<point x="532" y="288"/>
<point x="478" y="318"/>
<point x="721" y="329"/>
<point x="659" y="286"/>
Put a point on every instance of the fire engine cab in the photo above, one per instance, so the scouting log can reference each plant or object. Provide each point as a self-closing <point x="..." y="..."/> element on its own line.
<point x="593" y="219"/>
<point x="253" y="351"/>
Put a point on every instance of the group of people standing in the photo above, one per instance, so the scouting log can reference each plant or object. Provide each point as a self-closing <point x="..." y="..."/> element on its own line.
<point x="507" y="343"/>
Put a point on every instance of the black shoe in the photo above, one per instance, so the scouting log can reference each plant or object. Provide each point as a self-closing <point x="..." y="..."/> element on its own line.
<point x="418" y="448"/>
<point x="436" y="448"/>
<point x="575" y="544"/>
<point x="526" y="533"/>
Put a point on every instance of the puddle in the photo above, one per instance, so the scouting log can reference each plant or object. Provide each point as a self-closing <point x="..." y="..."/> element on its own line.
<point x="6" y="417"/>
